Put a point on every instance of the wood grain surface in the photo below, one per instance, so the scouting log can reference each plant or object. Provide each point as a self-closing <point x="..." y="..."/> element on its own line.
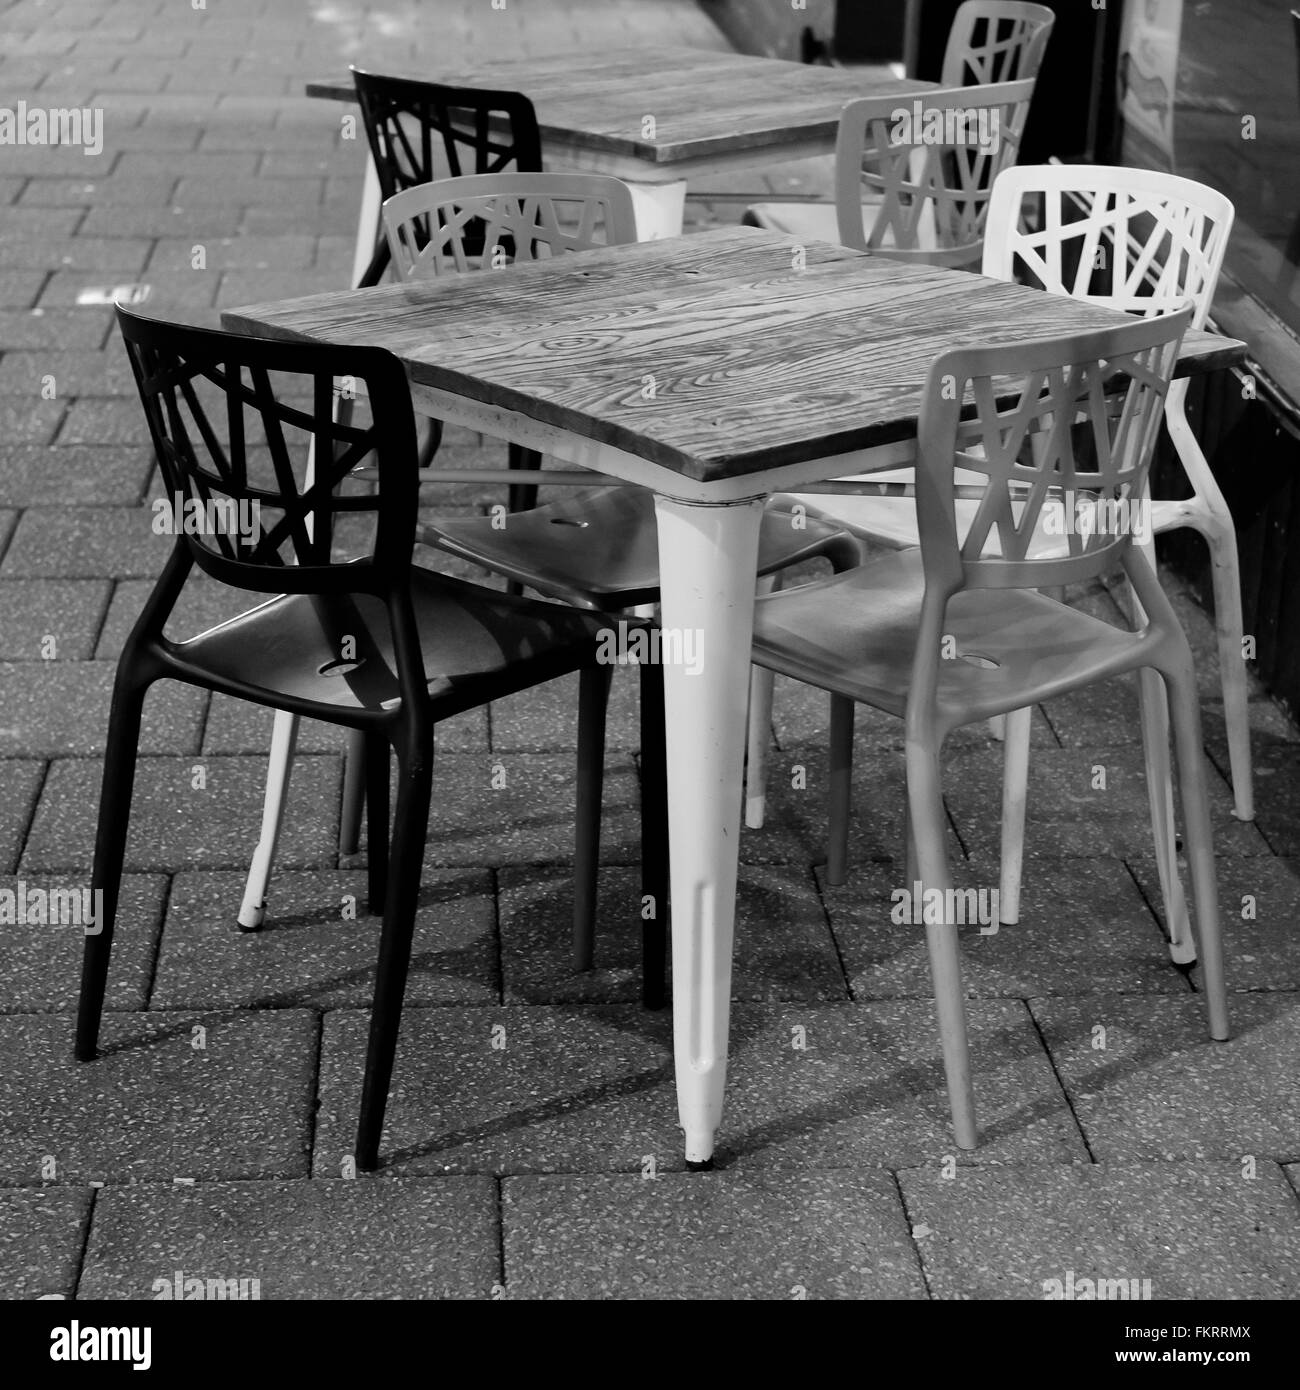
<point x="703" y="104"/>
<point x="712" y="354"/>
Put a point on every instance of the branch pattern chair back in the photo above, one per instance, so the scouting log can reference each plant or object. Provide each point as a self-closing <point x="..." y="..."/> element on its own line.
<point x="996" y="41"/>
<point x="1087" y="439"/>
<point x="490" y="220"/>
<point x="931" y="185"/>
<point x="422" y="131"/>
<point x="233" y="428"/>
<point x="1134" y="239"/>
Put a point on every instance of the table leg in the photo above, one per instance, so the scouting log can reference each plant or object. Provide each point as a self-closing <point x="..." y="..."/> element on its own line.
<point x="707" y="595"/>
<point x="367" y="222"/>
<point x="660" y="208"/>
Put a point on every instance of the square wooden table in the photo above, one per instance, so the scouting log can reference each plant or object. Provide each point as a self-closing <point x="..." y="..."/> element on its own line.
<point x="656" y="117"/>
<point x="714" y="369"/>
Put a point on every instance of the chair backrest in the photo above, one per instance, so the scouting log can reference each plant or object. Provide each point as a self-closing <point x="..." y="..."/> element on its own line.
<point x="233" y="421"/>
<point x="1134" y="239"/>
<point x="413" y="127"/>
<point x="996" y="41"/>
<point x="1064" y="423"/>
<point x="494" y="219"/>
<point x="931" y="164"/>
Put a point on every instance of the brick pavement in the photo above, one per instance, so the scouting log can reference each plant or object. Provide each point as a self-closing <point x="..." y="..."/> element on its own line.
<point x="551" y="1168"/>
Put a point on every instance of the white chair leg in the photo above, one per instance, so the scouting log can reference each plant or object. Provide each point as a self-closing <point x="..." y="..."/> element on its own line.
<point x="1015" y="795"/>
<point x="761" y="684"/>
<point x="284" y="737"/>
<point x="997" y="726"/>
<point x="1160" y="791"/>
<point x="354" y="794"/>
<point x="926" y="815"/>
<point x="1228" y="626"/>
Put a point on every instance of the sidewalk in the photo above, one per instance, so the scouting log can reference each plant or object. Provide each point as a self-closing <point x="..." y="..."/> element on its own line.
<point x="551" y="1167"/>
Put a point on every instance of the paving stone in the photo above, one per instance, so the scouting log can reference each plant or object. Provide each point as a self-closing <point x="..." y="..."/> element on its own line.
<point x="86" y="543"/>
<point x="1259" y="905"/>
<point x="36" y="475"/>
<point x="309" y="954"/>
<point x="707" y="1236"/>
<point x="23" y="374"/>
<point x="32" y="610"/>
<point x="74" y="253"/>
<point x="566" y="1089"/>
<point x="1194" y="1232"/>
<point x="1277" y="796"/>
<point x="1162" y="1090"/>
<point x="1066" y="816"/>
<point x="58" y="708"/>
<point x="861" y="1085"/>
<point x="153" y="1106"/>
<point x="40" y="968"/>
<point x="30" y="421"/>
<point x="170" y="219"/>
<point x="84" y="190"/>
<point x="546" y="717"/>
<point x="783" y="948"/>
<point x="529" y="819"/>
<point x="62" y="329"/>
<point x="299" y="1240"/>
<point x="1084" y="928"/>
<point x="41" y="1235"/>
<point x="118" y="421"/>
<point x="174" y="826"/>
<point x="19" y="289"/>
<point x="229" y="253"/>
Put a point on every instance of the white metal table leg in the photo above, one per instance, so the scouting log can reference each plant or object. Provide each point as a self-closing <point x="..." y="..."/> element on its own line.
<point x="707" y="597"/>
<point x="660" y="208"/>
<point x="367" y="222"/>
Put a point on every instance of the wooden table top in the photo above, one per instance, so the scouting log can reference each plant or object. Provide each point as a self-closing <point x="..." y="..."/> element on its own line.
<point x="753" y="364"/>
<point x="703" y="103"/>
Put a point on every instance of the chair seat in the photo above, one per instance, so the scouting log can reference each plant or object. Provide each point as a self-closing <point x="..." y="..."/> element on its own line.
<point x="855" y="635"/>
<point x="600" y="549"/>
<point x="291" y="646"/>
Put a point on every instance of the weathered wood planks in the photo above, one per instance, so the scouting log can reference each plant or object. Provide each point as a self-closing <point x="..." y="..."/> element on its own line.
<point x="712" y="354"/>
<point x="703" y="104"/>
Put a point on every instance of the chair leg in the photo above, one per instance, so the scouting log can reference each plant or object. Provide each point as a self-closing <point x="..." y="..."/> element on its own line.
<point x="926" y="814"/>
<point x="284" y="738"/>
<point x="1226" y="574"/>
<point x="414" y="783"/>
<point x="1015" y="795"/>
<point x="522" y="497"/>
<point x="354" y="794"/>
<point x="762" y="683"/>
<point x="654" y="839"/>
<point x="593" y="702"/>
<point x="840" y="797"/>
<point x="110" y="848"/>
<point x="1160" y="788"/>
<point x="1186" y="712"/>
<point x="375" y="760"/>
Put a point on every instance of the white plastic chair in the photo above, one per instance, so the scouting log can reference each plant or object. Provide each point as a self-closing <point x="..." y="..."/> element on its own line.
<point x="956" y="631"/>
<point x="990" y="41"/>
<point x="1143" y="242"/>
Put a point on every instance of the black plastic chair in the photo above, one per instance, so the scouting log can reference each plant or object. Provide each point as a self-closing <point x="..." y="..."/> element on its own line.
<point x="372" y="643"/>
<point x="479" y="131"/>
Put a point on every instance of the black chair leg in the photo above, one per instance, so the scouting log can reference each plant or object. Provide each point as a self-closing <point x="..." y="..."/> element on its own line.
<point x="593" y="702"/>
<point x="522" y="497"/>
<point x="414" y="784"/>
<point x="654" y="839"/>
<point x="120" y="756"/>
<point x="377" y="768"/>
